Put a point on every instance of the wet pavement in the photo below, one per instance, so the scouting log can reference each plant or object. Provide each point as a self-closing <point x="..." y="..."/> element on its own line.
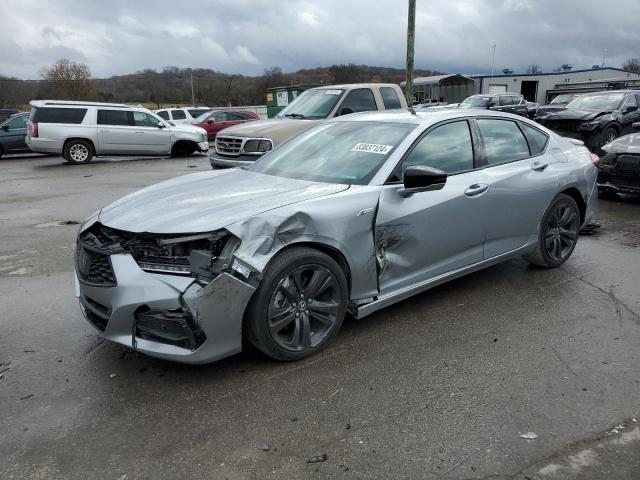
<point x="443" y="385"/>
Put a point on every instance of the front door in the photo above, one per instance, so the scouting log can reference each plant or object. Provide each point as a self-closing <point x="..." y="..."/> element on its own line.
<point x="630" y="113"/>
<point x="14" y="135"/>
<point x="433" y="232"/>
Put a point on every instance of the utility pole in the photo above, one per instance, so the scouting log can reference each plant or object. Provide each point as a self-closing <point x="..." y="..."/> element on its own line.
<point x="493" y="61"/>
<point x="193" y="97"/>
<point x="411" y="30"/>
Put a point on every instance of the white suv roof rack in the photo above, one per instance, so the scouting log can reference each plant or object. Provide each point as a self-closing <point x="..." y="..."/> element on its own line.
<point x="42" y="103"/>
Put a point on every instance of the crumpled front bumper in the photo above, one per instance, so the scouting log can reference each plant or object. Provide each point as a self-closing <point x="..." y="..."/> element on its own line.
<point x="217" y="308"/>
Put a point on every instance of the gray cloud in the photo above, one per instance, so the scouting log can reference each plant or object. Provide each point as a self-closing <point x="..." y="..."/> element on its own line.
<point x="246" y="36"/>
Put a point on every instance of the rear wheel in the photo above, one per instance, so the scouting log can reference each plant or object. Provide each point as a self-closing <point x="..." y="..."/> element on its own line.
<point x="299" y="306"/>
<point x="78" y="151"/>
<point x="559" y="230"/>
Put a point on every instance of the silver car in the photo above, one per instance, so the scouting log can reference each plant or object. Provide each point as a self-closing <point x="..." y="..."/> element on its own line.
<point x="80" y="130"/>
<point x="351" y="215"/>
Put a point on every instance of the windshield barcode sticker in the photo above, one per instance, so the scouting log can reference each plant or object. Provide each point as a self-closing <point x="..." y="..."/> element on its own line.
<point x="372" y="148"/>
<point x="333" y="92"/>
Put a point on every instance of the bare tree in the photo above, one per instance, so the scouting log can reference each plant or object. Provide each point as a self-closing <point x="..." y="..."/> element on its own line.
<point x="533" y="69"/>
<point x="345" y="73"/>
<point x="632" y="65"/>
<point x="69" y="80"/>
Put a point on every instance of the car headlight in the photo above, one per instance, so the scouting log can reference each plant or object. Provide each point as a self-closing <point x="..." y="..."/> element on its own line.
<point x="257" y="145"/>
<point x="588" y="126"/>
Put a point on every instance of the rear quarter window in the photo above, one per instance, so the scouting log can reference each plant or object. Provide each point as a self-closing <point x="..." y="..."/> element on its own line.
<point x="390" y="98"/>
<point x="537" y="139"/>
<point x="164" y="114"/>
<point x="178" y="114"/>
<point x="58" y="115"/>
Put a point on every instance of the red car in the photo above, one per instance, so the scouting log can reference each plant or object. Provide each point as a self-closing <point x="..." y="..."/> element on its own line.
<point x="215" y="120"/>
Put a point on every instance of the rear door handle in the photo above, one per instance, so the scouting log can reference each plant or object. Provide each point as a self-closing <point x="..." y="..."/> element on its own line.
<point x="476" y="189"/>
<point x="539" y="166"/>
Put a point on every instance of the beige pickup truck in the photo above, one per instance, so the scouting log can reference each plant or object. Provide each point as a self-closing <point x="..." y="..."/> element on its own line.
<point x="241" y="145"/>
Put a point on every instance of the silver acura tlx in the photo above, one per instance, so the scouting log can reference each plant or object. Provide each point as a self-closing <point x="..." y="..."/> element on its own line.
<point x="349" y="216"/>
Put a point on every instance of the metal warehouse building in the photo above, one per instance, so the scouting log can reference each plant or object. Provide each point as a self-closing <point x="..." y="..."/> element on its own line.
<point x="542" y="87"/>
<point x="443" y="88"/>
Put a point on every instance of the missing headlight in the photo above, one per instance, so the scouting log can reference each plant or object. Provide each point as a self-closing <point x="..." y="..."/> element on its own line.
<point x="160" y="253"/>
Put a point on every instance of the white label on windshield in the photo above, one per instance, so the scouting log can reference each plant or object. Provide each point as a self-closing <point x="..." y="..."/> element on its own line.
<point x="333" y="92"/>
<point x="372" y="148"/>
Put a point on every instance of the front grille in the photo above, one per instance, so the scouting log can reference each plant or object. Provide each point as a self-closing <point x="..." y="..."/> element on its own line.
<point x="94" y="267"/>
<point x="567" y="126"/>
<point x="228" y="145"/>
<point x="629" y="163"/>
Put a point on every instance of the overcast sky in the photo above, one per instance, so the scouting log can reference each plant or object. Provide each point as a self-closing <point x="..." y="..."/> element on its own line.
<point x="247" y="36"/>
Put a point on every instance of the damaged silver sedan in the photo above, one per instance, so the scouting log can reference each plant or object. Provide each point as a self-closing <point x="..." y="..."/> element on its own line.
<point x="349" y="216"/>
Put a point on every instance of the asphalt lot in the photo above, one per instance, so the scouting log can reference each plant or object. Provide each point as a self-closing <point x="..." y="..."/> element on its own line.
<point x="439" y="386"/>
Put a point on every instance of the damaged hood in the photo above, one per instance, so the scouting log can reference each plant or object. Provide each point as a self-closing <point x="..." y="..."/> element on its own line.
<point x="276" y="129"/>
<point x="627" y="144"/>
<point x="208" y="201"/>
<point x="576" y="114"/>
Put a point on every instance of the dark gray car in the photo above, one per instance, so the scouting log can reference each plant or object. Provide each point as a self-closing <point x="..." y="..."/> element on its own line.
<point x="351" y="215"/>
<point x="12" y="134"/>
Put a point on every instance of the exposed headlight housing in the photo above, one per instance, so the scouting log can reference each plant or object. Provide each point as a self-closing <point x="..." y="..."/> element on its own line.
<point x="588" y="126"/>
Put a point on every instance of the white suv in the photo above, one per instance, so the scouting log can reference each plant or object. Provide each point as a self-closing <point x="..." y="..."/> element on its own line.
<point x="80" y="130"/>
<point x="182" y="115"/>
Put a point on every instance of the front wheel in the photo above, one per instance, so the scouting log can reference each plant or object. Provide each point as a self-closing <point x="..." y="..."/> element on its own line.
<point x="559" y="230"/>
<point x="299" y="306"/>
<point x="78" y="151"/>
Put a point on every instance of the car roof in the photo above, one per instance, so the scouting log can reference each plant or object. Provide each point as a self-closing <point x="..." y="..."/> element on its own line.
<point x="609" y="92"/>
<point x="353" y="86"/>
<point x="424" y="117"/>
<point x="70" y="103"/>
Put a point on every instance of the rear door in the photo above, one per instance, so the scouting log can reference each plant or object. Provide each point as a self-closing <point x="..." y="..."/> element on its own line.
<point x="115" y="132"/>
<point x="434" y="232"/>
<point x="522" y="180"/>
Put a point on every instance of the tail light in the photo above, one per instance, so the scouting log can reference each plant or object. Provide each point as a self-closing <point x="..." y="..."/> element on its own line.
<point x="34" y="130"/>
<point x="595" y="159"/>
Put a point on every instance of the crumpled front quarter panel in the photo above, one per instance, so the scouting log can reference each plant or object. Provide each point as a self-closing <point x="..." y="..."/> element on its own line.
<point x="343" y="221"/>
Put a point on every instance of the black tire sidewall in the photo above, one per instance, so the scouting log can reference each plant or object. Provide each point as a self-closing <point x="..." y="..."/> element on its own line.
<point x="256" y="328"/>
<point x="562" y="198"/>
<point x="71" y="143"/>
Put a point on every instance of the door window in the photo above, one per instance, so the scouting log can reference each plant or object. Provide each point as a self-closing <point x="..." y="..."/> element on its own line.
<point x="506" y="100"/>
<point x="390" y="98"/>
<point x="114" y="117"/>
<point x="630" y="102"/>
<point x="360" y="100"/>
<point x="447" y="148"/>
<point x="164" y="114"/>
<point x="18" y="122"/>
<point x="142" y="119"/>
<point x="220" y="117"/>
<point x="178" y="114"/>
<point x="503" y="141"/>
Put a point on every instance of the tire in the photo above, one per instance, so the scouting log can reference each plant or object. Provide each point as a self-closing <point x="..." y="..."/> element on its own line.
<point x="609" y="134"/>
<point x="78" y="151"/>
<point x="302" y="291"/>
<point x="183" y="149"/>
<point x="559" y="232"/>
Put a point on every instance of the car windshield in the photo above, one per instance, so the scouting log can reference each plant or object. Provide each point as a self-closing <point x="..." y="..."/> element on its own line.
<point x="204" y="116"/>
<point x="476" y="101"/>
<point x="597" y="102"/>
<point x="313" y="104"/>
<point x="340" y="152"/>
<point x="561" y="99"/>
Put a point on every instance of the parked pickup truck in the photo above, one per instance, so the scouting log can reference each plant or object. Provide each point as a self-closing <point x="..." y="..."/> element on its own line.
<point x="242" y="145"/>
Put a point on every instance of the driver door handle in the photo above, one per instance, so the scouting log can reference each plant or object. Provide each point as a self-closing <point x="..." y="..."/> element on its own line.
<point x="539" y="166"/>
<point x="476" y="189"/>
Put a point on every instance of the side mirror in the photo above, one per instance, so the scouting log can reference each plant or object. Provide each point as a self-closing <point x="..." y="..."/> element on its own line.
<point x="5" y="128"/>
<point x="492" y="104"/>
<point x="418" y="178"/>
<point x="160" y="124"/>
<point x="629" y="109"/>
<point x="210" y="122"/>
<point x="635" y="126"/>
<point x="346" y="111"/>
